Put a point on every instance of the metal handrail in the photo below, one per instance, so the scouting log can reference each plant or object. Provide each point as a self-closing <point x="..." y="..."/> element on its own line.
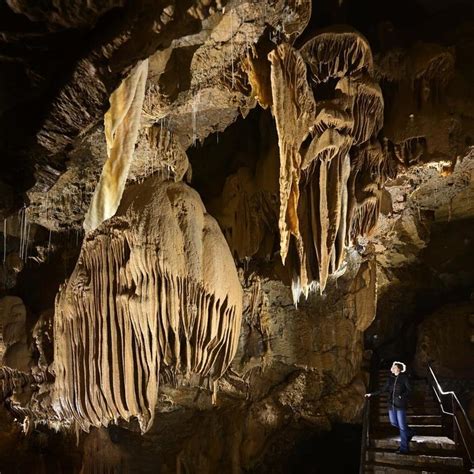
<point x="461" y="424"/>
<point x="365" y="435"/>
<point x="365" y="439"/>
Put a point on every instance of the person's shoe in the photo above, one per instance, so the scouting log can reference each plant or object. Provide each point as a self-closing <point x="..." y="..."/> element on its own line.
<point x="411" y="436"/>
<point x="402" y="451"/>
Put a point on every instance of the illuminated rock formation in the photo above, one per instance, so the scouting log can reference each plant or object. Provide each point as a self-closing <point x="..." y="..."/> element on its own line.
<point x="155" y="291"/>
<point x="331" y="166"/>
<point x="121" y="129"/>
<point x="334" y="188"/>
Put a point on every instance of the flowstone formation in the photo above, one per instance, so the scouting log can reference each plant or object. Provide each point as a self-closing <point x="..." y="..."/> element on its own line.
<point x="155" y="292"/>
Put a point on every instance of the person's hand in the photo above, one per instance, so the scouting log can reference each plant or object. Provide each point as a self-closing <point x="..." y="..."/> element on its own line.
<point x="368" y="395"/>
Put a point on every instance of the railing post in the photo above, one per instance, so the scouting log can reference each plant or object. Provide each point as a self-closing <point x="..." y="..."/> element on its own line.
<point x="455" y="431"/>
<point x="365" y="439"/>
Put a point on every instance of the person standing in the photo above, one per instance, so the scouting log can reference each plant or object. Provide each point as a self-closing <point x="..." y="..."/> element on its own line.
<point x="399" y="389"/>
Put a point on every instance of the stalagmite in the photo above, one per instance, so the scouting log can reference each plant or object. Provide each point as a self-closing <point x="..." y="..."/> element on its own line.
<point x="121" y="124"/>
<point x="155" y="290"/>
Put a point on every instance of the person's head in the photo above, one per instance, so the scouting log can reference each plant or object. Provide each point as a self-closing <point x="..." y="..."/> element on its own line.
<point x="398" y="367"/>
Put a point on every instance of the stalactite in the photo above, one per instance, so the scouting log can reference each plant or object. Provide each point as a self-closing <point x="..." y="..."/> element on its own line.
<point x="370" y="169"/>
<point x="367" y="106"/>
<point x="121" y="129"/>
<point x="323" y="215"/>
<point x="420" y="125"/>
<point x="155" y="290"/>
<point x="294" y="108"/>
<point x="169" y="158"/>
<point x="318" y="129"/>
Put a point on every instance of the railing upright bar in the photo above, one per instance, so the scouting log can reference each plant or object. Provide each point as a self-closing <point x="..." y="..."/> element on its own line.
<point x="365" y="439"/>
<point x="463" y="433"/>
<point x="365" y="436"/>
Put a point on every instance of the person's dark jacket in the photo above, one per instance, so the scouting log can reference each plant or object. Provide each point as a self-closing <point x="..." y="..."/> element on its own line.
<point x="398" y="389"/>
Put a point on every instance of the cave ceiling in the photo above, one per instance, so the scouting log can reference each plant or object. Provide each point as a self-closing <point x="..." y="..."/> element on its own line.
<point x="181" y="163"/>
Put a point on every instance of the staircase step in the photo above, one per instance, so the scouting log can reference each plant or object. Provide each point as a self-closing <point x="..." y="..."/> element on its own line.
<point x="416" y="392"/>
<point x="428" y="430"/>
<point x="421" y="460"/>
<point x="415" y="389"/>
<point x="412" y="403"/>
<point x="419" y="410"/>
<point x="417" y="444"/>
<point x="382" y="468"/>
<point x="414" y="399"/>
<point x="418" y="406"/>
<point x="417" y="419"/>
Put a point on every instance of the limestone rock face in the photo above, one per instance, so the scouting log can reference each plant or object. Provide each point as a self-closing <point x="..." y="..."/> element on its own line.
<point x="444" y="340"/>
<point x="294" y="370"/>
<point x="14" y="351"/>
<point x="155" y="291"/>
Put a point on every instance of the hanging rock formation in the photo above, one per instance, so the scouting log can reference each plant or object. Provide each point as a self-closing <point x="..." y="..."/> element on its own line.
<point x="155" y="291"/>
<point x="424" y="123"/>
<point x="343" y="181"/>
<point x="122" y="121"/>
<point x="327" y="136"/>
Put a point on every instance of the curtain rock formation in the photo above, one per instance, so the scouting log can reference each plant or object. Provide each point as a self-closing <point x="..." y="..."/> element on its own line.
<point x="155" y="291"/>
<point x="122" y="121"/>
<point x="328" y="112"/>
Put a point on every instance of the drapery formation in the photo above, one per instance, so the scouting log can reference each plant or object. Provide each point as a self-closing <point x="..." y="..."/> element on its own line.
<point x="155" y="290"/>
<point x="328" y="112"/>
<point x="121" y="123"/>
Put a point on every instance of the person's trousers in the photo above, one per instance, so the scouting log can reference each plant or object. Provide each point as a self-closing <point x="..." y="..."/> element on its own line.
<point x="398" y="418"/>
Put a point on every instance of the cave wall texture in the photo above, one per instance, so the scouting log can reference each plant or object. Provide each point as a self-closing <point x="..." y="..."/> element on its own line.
<point x="212" y="212"/>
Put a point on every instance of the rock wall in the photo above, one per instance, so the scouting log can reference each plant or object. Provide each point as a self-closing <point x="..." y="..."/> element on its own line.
<point x="445" y="340"/>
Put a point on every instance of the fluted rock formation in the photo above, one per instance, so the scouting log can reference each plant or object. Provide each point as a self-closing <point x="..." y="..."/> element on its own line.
<point x="332" y="168"/>
<point x="155" y="291"/>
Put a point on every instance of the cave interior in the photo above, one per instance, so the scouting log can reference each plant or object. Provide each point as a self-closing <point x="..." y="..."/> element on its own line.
<point x="221" y="221"/>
